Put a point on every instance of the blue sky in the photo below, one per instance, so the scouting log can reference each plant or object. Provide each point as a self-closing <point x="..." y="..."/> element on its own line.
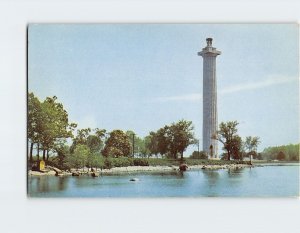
<point x="143" y="76"/>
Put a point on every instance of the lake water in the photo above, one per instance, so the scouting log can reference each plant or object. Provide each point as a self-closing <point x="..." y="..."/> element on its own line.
<point x="267" y="181"/>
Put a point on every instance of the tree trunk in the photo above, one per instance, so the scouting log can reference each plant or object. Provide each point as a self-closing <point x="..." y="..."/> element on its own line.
<point x="44" y="153"/>
<point x="47" y="155"/>
<point x="182" y="156"/>
<point x="228" y="158"/>
<point x="38" y="151"/>
<point x="30" y="153"/>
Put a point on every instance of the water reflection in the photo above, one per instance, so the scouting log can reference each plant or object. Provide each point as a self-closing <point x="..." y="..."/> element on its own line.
<point x="235" y="172"/>
<point x="43" y="184"/>
<point x="62" y="184"/>
<point x="46" y="184"/>
<point x="212" y="176"/>
<point x="258" y="181"/>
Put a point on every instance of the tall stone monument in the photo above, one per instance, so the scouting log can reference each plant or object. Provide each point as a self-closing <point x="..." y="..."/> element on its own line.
<point x="210" y="117"/>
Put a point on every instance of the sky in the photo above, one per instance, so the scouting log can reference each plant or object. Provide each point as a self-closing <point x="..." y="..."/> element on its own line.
<point x="141" y="77"/>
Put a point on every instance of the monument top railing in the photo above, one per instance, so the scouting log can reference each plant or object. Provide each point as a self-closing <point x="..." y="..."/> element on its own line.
<point x="209" y="50"/>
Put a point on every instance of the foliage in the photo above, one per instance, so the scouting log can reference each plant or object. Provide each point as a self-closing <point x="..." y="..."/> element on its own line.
<point x="34" y="123"/>
<point x="171" y="139"/>
<point x="290" y="151"/>
<point x="199" y="155"/>
<point x="117" y="145"/>
<point x="48" y="123"/>
<point x="63" y="152"/>
<point x="108" y="163"/>
<point x="122" y="162"/>
<point x="93" y="141"/>
<point x="251" y="144"/>
<point x="79" y="158"/>
<point x="140" y="162"/>
<point x="95" y="160"/>
<point x="227" y="135"/>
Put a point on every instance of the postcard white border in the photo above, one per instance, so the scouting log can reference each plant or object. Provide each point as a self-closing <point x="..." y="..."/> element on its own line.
<point x="18" y="213"/>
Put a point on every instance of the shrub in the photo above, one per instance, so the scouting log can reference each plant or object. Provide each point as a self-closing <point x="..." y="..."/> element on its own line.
<point x="107" y="163"/>
<point x="122" y="162"/>
<point x="198" y="155"/>
<point x="140" y="162"/>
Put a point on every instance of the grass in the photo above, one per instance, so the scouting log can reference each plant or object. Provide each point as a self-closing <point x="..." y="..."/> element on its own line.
<point x="188" y="161"/>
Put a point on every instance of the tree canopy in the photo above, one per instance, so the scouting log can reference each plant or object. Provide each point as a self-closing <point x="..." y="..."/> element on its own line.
<point x="47" y="123"/>
<point x="171" y="140"/>
<point x="117" y="144"/>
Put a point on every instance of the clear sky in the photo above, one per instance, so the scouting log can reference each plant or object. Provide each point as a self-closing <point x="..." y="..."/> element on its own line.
<point x="143" y="76"/>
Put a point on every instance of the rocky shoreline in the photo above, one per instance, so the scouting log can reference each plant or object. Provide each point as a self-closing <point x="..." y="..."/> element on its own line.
<point x="52" y="171"/>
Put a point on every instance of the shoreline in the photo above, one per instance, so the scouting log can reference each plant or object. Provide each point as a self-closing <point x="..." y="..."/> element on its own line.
<point x="134" y="169"/>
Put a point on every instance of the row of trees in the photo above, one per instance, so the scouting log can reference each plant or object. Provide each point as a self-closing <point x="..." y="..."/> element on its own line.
<point x="286" y="152"/>
<point x="171" y="140"/>
<point x="48" y="125"/>
<point x="49" y="128"/>
<point x="233" y="145"/>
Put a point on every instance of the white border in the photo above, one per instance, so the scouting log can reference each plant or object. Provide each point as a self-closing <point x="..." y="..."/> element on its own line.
<point x="19" y="214"/>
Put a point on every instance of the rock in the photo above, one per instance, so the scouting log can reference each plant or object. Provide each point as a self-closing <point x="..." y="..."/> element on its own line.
<point x="75" y="174"/>
<point x="183" y="167"/>
<point x="134" y="179"/>
<point x="95" y="174"/>
<point x="59" y="174"/>
<point x="54" y="169"/>
<point x="174" y="168"/>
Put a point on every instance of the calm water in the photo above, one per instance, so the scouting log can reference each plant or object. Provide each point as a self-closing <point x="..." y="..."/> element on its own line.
<point x="268" y="181"/>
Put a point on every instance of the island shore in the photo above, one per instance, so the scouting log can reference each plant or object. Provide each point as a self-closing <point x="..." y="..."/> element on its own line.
<point x="131" y="169"/>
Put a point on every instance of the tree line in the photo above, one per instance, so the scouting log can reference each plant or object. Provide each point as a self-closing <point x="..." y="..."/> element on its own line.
<point x="285" y="153"/>
<point x="233" y="145"/>
<point x="49" y="129"/>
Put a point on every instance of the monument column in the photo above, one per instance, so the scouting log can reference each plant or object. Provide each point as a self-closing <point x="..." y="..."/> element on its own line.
<point x="210" y="117"/>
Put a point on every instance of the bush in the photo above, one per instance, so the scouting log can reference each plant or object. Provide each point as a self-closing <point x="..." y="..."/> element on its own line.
<point x="107" y="163"/>
<point x="198" y="155"/>
<point x="163" y="162"/>
<point x="140" y="162"/>
<point x="122" y="162"/>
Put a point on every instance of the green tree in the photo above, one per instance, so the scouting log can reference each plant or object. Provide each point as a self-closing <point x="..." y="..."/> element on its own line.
<point x="151" y="144"/>
<point x="34" y="123"/>
<point x="198" y="155"/>
<point x="171" y="139"/>
<point x="180" y="135"/>
<point x="138" y="143"/>
<point x="161" y="136"/>
<point x="281" y="155"/>
<point x="117" y="145"/>
<point x="81" y="138"/>
<point x="251" y="144"/>
<point x="55" y="126"/>
<point x="237" y="147"/>
<point x="79" y="158"/>
<point x="93" y="141"/>
<point x="63" y="152"/>
<point x="227" y="135"/>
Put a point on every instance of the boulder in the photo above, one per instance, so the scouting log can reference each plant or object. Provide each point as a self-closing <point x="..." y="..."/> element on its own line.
<point x="95" y="174"/>
<point x="183" y="167"/>
<point x="75" y="174"/>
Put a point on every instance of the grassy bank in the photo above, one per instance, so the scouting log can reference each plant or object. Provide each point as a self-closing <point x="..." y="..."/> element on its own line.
<point x="124" y="162"/>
